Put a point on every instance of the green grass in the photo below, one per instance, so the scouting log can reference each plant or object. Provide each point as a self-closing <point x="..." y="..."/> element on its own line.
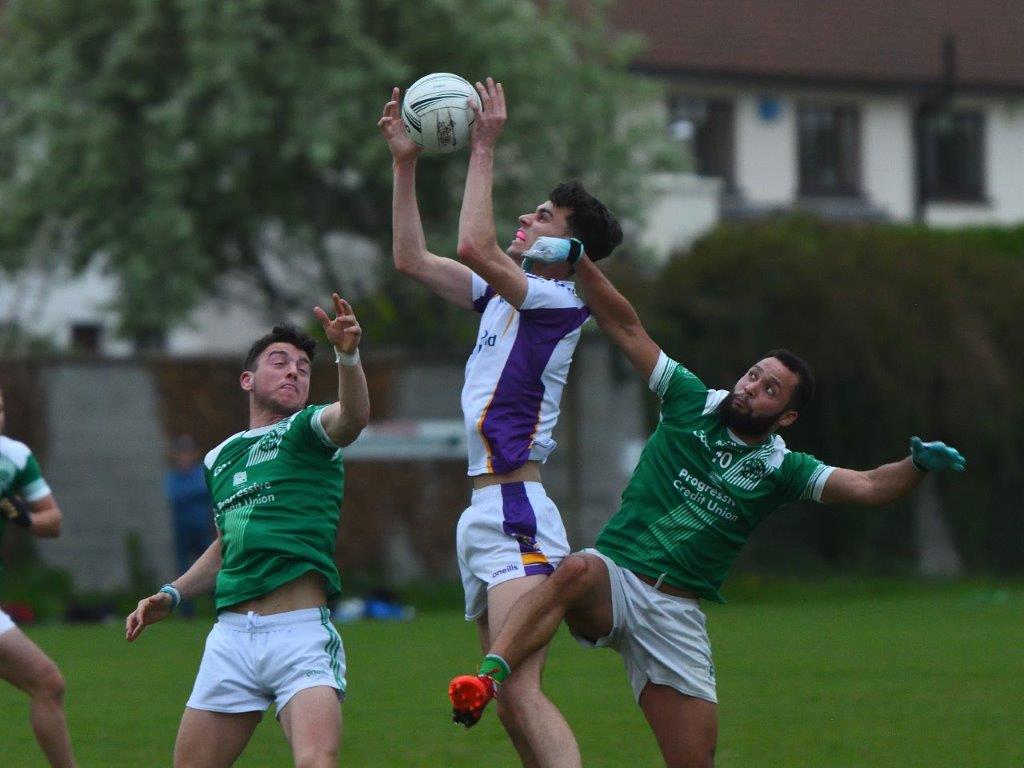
<point x="830" y="677"/>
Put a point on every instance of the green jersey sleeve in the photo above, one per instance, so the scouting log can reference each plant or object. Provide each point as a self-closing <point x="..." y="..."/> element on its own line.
<point x="683" y="396"/>
<point x="310" y="432"/>
<point x="19" y="471"/>
<point x="30" y="483"/>
<point x="802" y="478"/>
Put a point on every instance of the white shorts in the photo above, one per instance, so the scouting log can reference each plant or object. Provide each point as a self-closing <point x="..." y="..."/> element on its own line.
<point x="509" y="531"/>
<point x="6" y="622"/>
<point x="251" y="661"/>
<point x="662" y="639"/>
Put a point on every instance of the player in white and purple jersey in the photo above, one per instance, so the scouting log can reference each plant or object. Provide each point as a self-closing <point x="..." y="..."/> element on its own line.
<point x="511" y="536"/>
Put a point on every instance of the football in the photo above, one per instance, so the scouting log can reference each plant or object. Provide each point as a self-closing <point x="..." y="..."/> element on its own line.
<point x="435" y="113"/>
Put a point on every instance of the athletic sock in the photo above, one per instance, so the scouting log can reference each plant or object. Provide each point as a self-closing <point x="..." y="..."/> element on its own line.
<point x="495" y="667"/>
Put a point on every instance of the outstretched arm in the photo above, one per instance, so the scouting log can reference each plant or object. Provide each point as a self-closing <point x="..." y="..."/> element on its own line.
<point x="617" y="318"/>
<point x="889" y="482"/>
<point x="447" y="278"/>
<point x="345" y="419"/>
<point x="478" y="242"/>
<point x="197" y="580"/>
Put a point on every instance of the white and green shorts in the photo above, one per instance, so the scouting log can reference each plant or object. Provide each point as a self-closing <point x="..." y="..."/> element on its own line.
<point x="662" y="639"/>
<point x="253" y="661"/>
<point x="6" y="622"/>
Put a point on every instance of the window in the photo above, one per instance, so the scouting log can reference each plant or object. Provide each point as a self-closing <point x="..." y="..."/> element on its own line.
<point x="952" y="156"/>
<point x="704" y="127"/>
<point x="86" y="337"/>
<point x="829" y="138"/>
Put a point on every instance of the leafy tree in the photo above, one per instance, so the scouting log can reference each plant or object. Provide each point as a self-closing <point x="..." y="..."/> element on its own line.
<point x="185" y="141"/>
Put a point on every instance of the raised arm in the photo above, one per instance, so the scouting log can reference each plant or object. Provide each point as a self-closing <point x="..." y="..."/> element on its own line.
<point x="478" y="242"/>
<point x="447" y="278"/>
<point x="345" y="419"/>
<point x="617" y="318"/>
<point x="885" y="484"/>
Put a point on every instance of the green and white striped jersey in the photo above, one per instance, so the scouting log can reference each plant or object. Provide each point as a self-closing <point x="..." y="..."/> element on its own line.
<point x="19" y="473"/>
<point x="698" y="492"/>
<point x="277" y="494"/>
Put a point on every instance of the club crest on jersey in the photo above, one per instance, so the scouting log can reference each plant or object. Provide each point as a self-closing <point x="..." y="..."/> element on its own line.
<point x="240" y="478"/>
<point x="753" y="469"/>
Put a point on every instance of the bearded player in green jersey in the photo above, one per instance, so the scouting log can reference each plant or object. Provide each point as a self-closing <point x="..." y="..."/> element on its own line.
<point x="277" y="489"/>
<point x="711" y="472"/>
<point x="26" y="501"/>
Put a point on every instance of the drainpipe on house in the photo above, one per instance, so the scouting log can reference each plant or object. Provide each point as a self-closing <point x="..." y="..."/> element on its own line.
<point x="931" y="104"/>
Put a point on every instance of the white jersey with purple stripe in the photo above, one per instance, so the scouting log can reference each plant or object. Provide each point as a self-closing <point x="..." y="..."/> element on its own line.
<point x="515" y="375"/>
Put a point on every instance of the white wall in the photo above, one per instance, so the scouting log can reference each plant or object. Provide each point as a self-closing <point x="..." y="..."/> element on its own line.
<point x="887" y="154"/>
<point x="766" y="152"/>
<point x="682" y="208"/>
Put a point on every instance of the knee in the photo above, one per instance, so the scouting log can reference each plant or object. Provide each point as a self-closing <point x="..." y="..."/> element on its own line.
<point x="49" y="685"/>
<point x="574" y="574"/>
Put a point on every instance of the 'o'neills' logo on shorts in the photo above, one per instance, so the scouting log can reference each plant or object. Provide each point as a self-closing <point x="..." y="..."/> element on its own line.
<point x="507" y="569"/>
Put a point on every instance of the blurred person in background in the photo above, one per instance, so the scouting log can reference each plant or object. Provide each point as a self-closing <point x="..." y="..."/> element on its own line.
<point x="711" y="472"/>
<point x="278" y="488"/>
<point x="511" y="537"/>
<point x="26" y="501"/>
<point x="191" y="507"/>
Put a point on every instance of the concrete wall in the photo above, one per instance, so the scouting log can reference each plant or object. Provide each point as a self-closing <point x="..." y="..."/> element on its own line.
<point x="105" y="464"/>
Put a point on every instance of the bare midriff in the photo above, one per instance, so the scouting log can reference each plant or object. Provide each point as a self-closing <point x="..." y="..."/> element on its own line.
<point x="528" y="473"/>
<point x="307" y="591"/>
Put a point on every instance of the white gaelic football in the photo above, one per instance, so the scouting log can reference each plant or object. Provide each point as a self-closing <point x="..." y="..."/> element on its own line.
<point x="435" y="113"/>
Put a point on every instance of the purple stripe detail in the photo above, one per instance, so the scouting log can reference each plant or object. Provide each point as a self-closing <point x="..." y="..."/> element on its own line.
<point x="518" y="517"/>
<point x="512" y="416"/>
<point x="539" y="569"/>
<point x="479" y="305"/>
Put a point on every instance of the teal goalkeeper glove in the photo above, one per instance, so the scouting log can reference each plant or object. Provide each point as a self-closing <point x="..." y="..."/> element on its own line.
<point x="935" y="455"/>
<point x="555" y="250"/>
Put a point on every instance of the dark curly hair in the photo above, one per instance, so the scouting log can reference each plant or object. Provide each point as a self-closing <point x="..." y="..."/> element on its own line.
<point x="590" y="220"/>
<point x="287" y="334"/>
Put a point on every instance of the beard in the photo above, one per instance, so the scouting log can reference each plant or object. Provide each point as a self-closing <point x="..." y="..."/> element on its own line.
<point x="743" y="422"/>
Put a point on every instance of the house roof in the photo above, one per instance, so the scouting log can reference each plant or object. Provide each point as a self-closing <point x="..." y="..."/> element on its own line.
<point x="871" y="42"/>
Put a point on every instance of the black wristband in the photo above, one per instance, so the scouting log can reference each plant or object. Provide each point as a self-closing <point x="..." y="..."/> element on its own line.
<point x="575" y="251"/>
<point x="14" y="509"/>
<point x="917" y="466"/>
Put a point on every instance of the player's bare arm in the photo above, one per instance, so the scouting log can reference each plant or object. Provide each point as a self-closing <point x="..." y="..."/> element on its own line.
<point x="197" y="580"/>
<point x="345" y="419"/>
<point x="478" y="241"/>
<point x="617" y="318"/>
<point x="41" y="516"/>
<point x="447" y="278"/>
<point x="889" y="482"/>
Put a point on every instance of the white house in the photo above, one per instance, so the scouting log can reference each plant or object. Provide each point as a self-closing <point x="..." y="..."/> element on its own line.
<point x="866" y="109"/>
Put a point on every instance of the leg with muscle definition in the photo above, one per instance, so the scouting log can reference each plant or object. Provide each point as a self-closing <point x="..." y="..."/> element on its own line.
<point x="312" y="724"/>
<point x="578" y="591"/>
<point x="25" y="666"/>
<point x="213" y="739"/>
<point x="686" y="727"/>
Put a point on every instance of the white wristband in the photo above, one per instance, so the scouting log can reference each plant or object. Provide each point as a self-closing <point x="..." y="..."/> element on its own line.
<point x="346" y="359"/>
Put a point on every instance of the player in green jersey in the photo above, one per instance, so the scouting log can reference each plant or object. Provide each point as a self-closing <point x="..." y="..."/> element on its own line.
<point x="26" y="501"/>
<point x="277" y="488"/>
<point x="713" y="469"/>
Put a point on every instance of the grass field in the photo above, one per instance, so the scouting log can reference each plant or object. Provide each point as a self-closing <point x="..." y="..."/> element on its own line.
<point x="822" y="677"/>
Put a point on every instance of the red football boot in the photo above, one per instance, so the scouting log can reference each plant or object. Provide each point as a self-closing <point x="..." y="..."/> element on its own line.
<point x="469" y="695"/>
